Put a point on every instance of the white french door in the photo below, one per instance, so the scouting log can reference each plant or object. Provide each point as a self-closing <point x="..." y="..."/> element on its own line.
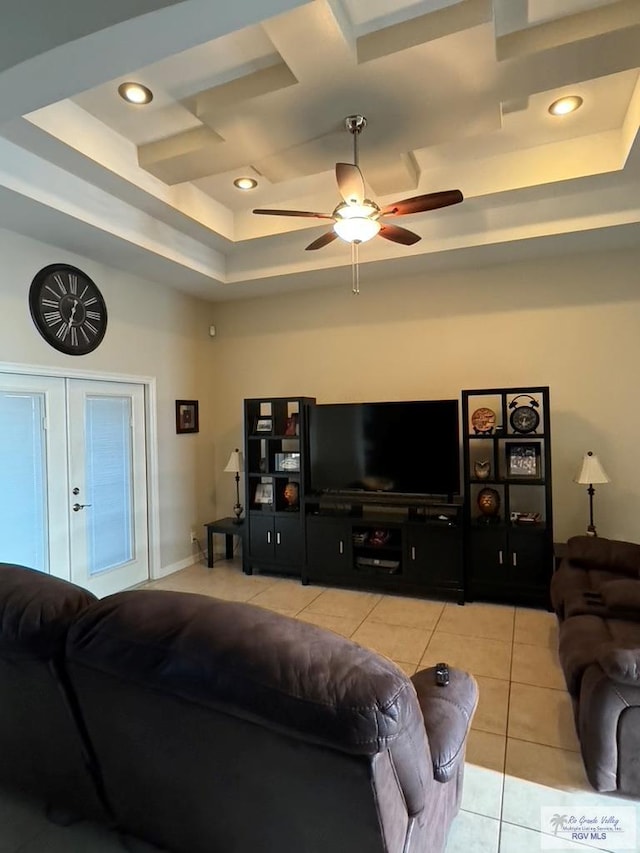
<point x="73" y="500"/>
<point x="107" y="485"/>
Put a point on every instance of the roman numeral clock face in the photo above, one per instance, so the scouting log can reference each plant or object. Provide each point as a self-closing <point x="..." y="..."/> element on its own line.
<point x="68" y="309"/>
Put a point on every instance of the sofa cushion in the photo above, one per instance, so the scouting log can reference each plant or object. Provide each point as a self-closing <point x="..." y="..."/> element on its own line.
<point x="609" y="555"/>
<point x="245" y="660"/>
<point x="622" y="597"/>
<point x="580" y="639"/>
<point x="36" y="610"/>
<point x="621" y="664"/>
<point x="574" y="588"/>
<point x="585" y="640"/>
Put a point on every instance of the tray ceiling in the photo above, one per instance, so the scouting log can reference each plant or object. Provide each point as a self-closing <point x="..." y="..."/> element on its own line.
<point x="456" y="94"/>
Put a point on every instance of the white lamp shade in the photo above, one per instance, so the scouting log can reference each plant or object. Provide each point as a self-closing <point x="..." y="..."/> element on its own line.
<point x="591" y="471"/>
<point x="234" y="465"/>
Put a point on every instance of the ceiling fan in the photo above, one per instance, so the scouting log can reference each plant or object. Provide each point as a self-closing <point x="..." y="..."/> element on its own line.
<point x="357" y="219"/>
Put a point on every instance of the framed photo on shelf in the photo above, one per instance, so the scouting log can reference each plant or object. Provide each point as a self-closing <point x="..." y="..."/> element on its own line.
<point x="523" y="460"/>
<point x="187" y="416"/>
<point x="264" y="493"/>
<point x="264" y="424"/>
<point x="287" y="461"/>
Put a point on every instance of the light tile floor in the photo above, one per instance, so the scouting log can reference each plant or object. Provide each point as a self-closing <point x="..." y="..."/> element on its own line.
<point x="522" y="752"/>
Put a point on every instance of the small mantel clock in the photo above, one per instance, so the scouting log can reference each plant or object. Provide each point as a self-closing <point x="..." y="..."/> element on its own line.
<point x="68" y="309"/>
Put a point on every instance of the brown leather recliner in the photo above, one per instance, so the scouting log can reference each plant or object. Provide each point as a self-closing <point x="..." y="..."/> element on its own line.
<point x="42" y="751"/>
<point x="596" y="595"/>
<point x="224" y="727"/>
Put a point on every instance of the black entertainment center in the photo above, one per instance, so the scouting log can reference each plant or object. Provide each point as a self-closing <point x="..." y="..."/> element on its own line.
<point x="361" y="495"/>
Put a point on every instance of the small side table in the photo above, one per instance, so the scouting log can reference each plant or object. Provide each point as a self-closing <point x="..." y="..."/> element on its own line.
<point x="229" y="529"/>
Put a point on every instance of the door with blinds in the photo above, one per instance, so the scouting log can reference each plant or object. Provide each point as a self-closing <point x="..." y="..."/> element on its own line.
<point x="72" y="460"/>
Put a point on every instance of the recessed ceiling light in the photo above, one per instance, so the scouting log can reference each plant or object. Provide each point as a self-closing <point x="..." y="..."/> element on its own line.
<point x="563" y="106"/>
<point x="135" y="93"/>
<point x="245" y="183"/>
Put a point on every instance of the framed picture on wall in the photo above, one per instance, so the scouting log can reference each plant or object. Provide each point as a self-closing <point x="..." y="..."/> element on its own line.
<point x="523" y="460"/>
<point x="187" y="416"/>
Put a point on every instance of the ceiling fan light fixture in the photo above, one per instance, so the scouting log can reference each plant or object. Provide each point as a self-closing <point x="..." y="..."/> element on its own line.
<point x="356" y="229"/>
<point x="135" y="93"/>
<point x="566" y="105"/>
<point x="245" y="183"/>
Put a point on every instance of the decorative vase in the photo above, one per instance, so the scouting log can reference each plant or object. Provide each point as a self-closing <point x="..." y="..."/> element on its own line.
<point x="292" y="496"/>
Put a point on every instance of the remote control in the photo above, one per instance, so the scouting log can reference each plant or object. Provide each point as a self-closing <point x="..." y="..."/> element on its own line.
<point x="442" y="674"/>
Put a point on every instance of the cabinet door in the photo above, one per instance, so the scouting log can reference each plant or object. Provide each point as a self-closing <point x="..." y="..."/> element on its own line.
<point x="329" y="552"/>
<point x="530" y="558"/>
<point x="289" y="541"/>
<point x="488" y="557"/>
<point x="433" y="555"/>
<point x="261" y="538"/>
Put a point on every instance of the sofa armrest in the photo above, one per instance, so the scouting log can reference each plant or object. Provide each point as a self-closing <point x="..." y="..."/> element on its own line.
<point x="613" y="555"/>
<point x="447" y="713"/>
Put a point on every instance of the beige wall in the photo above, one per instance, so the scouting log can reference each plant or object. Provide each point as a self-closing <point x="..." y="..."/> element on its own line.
<point x="152" y="331"/>
<point x="571" y="323"/>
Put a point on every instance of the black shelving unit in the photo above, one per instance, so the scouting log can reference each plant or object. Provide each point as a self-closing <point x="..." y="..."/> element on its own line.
<point x="276" y="483"/>
<point x="507" y="470"/>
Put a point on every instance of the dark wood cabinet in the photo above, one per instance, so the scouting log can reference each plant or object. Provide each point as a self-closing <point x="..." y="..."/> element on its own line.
<point x="276" y="482"/>
<point x="508" y="507"/>
<point x="410" y="551"/>
<point x="433" y="558"/>
<point x="278" y="540"/>
<point x="329" y="551"/>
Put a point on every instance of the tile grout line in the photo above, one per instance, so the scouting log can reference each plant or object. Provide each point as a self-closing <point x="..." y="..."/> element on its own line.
<point x="506" y="737"/>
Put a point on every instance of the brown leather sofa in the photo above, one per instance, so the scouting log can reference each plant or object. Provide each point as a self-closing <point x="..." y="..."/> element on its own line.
<point x="212" y="725"/>
<point x="595" y="593"/>
<point x="42" y="749"/>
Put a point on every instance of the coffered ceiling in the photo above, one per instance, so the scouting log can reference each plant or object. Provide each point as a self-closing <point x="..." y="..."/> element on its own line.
<point x="455" y="92"/>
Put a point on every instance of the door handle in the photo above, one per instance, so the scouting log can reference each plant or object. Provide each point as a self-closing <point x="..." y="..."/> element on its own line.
<point x="413" y="552"/>
<point x="341" y="547"/>
<point x="77" y="507"/>
<point x="500" y="558"/>
<point x="277" y="538"/>
<point x="514" y="559"/>
<point x="268" y="537"/>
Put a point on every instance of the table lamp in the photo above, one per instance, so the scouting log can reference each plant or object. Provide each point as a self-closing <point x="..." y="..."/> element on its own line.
<point x="591" y="471"/>
<point x="234" y="466"/>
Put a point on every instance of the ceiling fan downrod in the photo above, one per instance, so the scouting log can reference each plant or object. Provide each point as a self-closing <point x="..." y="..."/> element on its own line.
<point x="355" y="125"/>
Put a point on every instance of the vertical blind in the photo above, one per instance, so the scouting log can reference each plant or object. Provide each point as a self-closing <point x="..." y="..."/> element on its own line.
<point x="108" y="472"/>
<point x="23" y="501"/>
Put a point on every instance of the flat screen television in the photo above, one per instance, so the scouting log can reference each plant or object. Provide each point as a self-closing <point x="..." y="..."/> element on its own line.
<point x="408" y="448"/>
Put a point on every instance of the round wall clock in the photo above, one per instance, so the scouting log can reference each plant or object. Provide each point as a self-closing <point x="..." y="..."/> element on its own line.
<point x="483" y="420"/>
<point x="524" y="418"/>
<point x="68" y="309"/>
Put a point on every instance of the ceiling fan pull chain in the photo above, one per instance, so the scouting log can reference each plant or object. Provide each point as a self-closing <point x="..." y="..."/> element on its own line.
<point x="355" y="269"/>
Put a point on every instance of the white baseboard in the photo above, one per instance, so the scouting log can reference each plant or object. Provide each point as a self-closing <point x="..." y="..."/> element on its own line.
<point x="163" y="571"/>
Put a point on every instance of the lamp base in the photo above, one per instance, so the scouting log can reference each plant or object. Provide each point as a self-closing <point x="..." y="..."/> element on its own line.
<point x="238" y="512"/>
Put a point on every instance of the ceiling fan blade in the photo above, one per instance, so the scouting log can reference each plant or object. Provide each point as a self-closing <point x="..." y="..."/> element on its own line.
<point x="350" y="183"/>
<point x="322" y="241"/>
<point x="294" y="213"/>
<point x="420" y="203"/>
<point x="398" y="235"/>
